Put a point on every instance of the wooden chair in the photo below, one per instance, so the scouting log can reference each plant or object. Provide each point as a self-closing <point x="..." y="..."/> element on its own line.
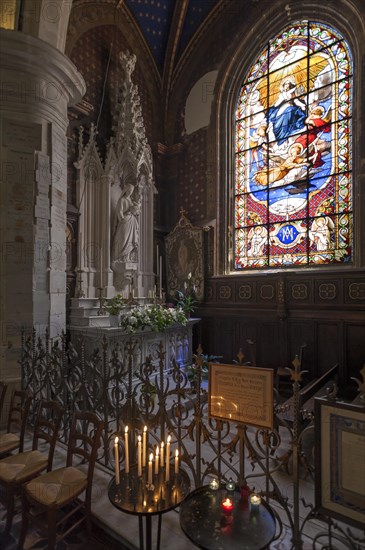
<point x="21" y="467"/>
<point x="3" y="389"/>
<point x="51" y="499"/>
<point x="17" y="420"/>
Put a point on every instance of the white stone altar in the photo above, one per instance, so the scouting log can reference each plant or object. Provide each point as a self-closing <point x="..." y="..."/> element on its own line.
<point x="176" y="341"/>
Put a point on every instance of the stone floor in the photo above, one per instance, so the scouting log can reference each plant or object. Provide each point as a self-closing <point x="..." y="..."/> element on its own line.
<point x="117" y="530"/>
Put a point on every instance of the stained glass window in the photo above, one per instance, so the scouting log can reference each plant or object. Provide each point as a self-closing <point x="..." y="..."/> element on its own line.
<point x="292" y="193"/>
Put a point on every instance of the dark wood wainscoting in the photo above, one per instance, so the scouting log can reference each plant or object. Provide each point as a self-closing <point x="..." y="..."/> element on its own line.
<point x="280" y="312"/>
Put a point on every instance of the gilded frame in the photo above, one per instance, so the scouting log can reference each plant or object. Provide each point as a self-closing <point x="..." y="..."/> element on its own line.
<point x="340" y="461"/>
<point x="184" y="256"/>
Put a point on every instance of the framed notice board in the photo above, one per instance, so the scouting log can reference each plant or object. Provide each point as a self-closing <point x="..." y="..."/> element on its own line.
<point x="242" y="394"/>
<point x="340" y="461"/>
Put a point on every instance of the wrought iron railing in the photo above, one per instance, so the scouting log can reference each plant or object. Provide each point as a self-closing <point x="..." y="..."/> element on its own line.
<point x="164" y="401"/>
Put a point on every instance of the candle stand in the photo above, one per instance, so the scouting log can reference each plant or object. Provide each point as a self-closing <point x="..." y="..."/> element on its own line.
<point x="134" y="495"/>
<point x="101" y="310"/>
<point x="221" y="519"/>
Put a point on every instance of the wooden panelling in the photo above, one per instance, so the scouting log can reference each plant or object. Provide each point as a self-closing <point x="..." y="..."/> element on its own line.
<point x="329" y="346"/>
<point x="281" y="312"/>
<point x="355" y="348"/>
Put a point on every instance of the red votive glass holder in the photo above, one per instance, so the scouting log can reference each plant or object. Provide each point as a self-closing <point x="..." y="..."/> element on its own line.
<point x="245" y="492"/>
<point x="227" y="505"/>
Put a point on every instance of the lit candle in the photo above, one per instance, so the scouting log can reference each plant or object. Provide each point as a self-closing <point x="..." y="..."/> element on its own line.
<point x="176" y="461"/>
<point x="168" y="458"/>
<point x="150" y="469"/>
<point x="162" y="454"/>
<point x="139" y="454"/>
<point x="227" y="505"/>
<point x="230" y="485"/>
<point x="126" y="450"/>
<point x="144" y="446"/>
<point x="214" y="484"/>
<point x="116" y="454"/>
<point x="156" y="461"/>
<point x="255" y="501"/>
<point x="168" y="449"/>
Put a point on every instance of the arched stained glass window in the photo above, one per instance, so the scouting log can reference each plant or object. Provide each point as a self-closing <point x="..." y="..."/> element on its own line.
<point x="293" y="203"/>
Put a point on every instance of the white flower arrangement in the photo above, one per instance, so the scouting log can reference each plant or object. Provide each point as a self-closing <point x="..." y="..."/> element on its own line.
<point x="155" y="317"/>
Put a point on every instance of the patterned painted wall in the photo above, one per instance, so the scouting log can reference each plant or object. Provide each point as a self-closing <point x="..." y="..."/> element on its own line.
<point x="191" y="185"/>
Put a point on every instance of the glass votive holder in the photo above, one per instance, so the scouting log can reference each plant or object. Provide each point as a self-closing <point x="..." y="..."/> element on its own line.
<point x="245" y="492"/>
<point x="214" y="485"/>
<point x="230" y="485"/>
<point x="227" y="505"/>
<point x="255" y="501"/>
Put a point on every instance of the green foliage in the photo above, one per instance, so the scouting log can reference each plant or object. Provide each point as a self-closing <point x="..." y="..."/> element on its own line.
<point x="115" y="305"/>
<point x="186" y="302"/>
<point x="149" y="390"/>
<point x="206" y="359"/>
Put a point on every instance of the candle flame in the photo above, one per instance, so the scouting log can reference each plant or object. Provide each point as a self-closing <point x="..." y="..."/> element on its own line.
<point x="176" y="452"/>
<point x="157" y="451"/>
<point x="139" y="438"/>
<point x="162" y="444"/>
<point x="151" y="457"/>
<point x="126" y="429"/>
<point x="169" y="438"/>
<point x="145" y="429"/>
<point x="116" y="440"/>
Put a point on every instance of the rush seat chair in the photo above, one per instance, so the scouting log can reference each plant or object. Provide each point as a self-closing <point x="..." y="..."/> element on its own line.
<point x="3" y="390"/>
<point x="50" y="500"/>
<point x="21" y="467"/>
<point x="13" y="439"/>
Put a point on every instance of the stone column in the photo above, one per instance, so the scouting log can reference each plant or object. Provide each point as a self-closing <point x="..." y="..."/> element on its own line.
<point x="37" y="84"/>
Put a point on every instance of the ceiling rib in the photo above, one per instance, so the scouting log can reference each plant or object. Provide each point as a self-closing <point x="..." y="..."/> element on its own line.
<point x="176" y="28"/>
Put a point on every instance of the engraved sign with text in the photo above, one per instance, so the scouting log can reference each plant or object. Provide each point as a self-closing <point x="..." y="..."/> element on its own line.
<point x="242" y="394"/>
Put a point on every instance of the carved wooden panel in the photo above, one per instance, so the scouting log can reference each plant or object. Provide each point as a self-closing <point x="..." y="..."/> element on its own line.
<point x="282" y="311"/>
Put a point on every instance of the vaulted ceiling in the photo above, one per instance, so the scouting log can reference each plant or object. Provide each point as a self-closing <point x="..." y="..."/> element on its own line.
<point x="169" y="25"/>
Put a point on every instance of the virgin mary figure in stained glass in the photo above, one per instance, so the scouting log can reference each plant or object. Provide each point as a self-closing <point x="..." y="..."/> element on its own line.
<point x="292" y="151"/>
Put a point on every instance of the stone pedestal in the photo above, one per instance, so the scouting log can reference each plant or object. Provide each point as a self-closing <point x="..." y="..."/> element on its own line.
<point x="176" y="341"/>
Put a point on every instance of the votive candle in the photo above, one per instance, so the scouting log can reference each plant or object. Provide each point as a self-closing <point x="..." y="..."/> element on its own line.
<point x="227" y="505"/>
<point x="126" y="450"/>
<point x="139" y="456"/>
<point x="150" y="469"/>
<point x="214" y="485"/>
<point x="116" y="456"/>
<point x="255" y="501"/>
<point x="176" y="461"/>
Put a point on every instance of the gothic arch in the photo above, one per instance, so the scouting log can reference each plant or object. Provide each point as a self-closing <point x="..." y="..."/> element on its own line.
<point x="244" y="53"/>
